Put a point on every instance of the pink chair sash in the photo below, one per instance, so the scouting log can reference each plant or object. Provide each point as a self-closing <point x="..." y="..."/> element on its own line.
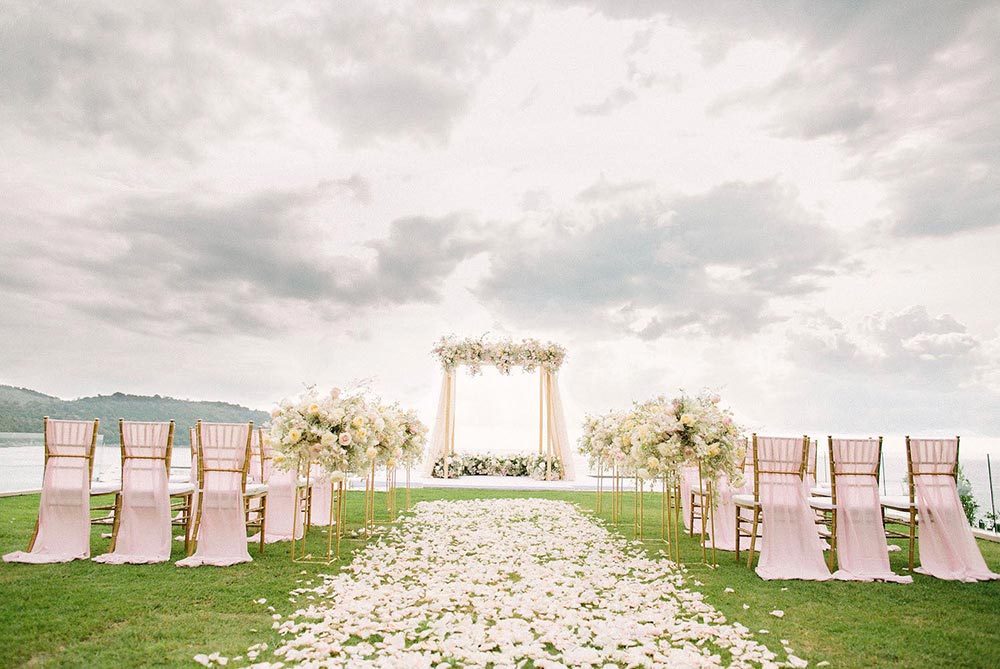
<point x="790" y="544"/>
<point x="280" y="503"/>
<point x="862" y="551"/>
<point x="724" y="521"/>
<point x="64" y="510"/>
<point x="689" y="479"/>
<point x="946" y="545"/>
<point x="144" y="527"/>
<point x="222" y="536"/>
<point x="322" y="510"/>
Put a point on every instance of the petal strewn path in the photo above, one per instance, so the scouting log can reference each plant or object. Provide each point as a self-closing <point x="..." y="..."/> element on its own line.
<point x="510" y="583"/>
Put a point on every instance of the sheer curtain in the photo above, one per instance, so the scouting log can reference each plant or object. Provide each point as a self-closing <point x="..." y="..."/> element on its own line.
<point x="440" y="432"/>
<point x="557" y="421"/>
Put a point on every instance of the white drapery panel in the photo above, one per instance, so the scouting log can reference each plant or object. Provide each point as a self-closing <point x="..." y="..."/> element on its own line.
<point x="441" y="433"/>
<point x="557" y="427"/>
<point x="554" y="423"/>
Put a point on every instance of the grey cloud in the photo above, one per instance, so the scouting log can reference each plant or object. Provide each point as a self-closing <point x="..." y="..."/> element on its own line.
<point x="911" y="343"/>
<point x="392" y="101"/>
<point x="168" y="77"/>
<point x="892" y="372"/>
<point x="873" y="77"/>
<point x="420" y="252"/>
<point x="603" y="189"/>
<point x="182" y="264"/>
<point x="359" y="187"/>
<point x="616" y="99"/>
<point x="710" y="262"/>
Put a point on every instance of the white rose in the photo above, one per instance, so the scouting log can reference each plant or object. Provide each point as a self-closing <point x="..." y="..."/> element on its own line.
<point x="371" y="453"/>
<point x="328" y="440"/>
<point x="337" y="476"/>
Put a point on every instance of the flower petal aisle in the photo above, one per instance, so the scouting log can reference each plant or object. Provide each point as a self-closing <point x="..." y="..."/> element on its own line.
<point x="498" y="583"/>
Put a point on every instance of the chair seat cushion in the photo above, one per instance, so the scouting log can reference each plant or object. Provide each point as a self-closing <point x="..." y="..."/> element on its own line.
<point x="105" y="487"/>
<point x="821" y="503"/>
<point x="745" y="501"/>
<point x="180" y="488"/>
<point x="821" y="491"/>
<point x="255" y="489"/>
<point x="900" y="502"/>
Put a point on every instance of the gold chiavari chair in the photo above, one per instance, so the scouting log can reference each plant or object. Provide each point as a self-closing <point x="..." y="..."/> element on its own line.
<point x="218" y="464"/>
<point x="902" y="510"/>
<point x="850" y="460"/>
<point x="751" y="503"/>
<point x="71" y="450"/>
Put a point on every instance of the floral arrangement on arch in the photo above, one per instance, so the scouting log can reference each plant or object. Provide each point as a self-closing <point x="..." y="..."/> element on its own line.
<point x="343" y="432"/>
<point x="658" y="437"/>
<point x="475" y="353"/>
<point x="475" y="464"/>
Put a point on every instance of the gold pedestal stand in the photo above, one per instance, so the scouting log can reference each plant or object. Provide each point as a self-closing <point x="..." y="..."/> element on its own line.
<point x="334" y="528"/>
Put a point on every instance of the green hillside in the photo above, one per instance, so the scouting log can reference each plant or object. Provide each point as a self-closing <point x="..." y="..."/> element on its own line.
<point x="21" y="410"/>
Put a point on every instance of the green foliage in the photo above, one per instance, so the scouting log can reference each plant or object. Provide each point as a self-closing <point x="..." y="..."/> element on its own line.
<point x="21" y="410"/>
<point x="969" y="503"/>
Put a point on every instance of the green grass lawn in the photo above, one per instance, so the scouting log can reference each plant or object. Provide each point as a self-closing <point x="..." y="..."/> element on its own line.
<point x="85" y="614"/>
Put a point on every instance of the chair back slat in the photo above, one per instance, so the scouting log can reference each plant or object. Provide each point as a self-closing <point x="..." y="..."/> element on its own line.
<point x="223" y="456"/>
<point x="778" y="459"/>
<point x="69" y="444"/>
<point x="854" y="463"/>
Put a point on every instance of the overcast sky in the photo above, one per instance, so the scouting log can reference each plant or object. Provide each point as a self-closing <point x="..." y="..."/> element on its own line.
<point x="795" y="203"/>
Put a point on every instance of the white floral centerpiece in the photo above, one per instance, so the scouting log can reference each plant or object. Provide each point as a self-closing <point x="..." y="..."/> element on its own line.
<point x="344" y="432"/>
<point x="505" y="354"/>
<point x="335" y="431"/>
<point x="656" y="438"/>
<point x="414" y="438"/>
<point x="602" y="439"/>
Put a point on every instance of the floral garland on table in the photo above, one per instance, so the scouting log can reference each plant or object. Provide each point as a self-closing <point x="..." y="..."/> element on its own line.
<point x="533" y="466"/>
<point x="343" y="432"/>
<point x="505" y="354"/>
<point x="657" y="438"/>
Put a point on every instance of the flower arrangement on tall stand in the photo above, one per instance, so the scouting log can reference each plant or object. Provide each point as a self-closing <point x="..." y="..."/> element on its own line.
<point x="653" y="442"/>
<point x="322" y="431"/>
<point x="342" y="433"/>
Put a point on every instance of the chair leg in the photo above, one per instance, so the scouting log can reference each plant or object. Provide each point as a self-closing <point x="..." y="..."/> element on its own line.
<point x="188" y="510"/>
<point x="753" y="536"/>
<point x="116" y="522"/>
<point x="913" y="533"/>
<point x="193" y="544"/>
<point x="263" y="519"/>
<point x="738" y="519"/>
<point x="833" y="537"/>
<point x="34" y="535"/>
<point x="691" y="516"/>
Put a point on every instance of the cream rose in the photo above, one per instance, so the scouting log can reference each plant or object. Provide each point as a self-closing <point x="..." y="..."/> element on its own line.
<point x="371" y="453"/>
<point x="344" y="439"/>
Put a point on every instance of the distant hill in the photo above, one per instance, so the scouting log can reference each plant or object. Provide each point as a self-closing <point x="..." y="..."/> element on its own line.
<point x="22" y="409"/>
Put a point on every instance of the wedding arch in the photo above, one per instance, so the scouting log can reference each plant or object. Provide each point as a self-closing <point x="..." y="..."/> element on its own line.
<point x="529" y="355"/>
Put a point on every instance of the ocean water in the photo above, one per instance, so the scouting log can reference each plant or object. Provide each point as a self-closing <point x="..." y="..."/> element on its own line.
<point x="22" y="460"/>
